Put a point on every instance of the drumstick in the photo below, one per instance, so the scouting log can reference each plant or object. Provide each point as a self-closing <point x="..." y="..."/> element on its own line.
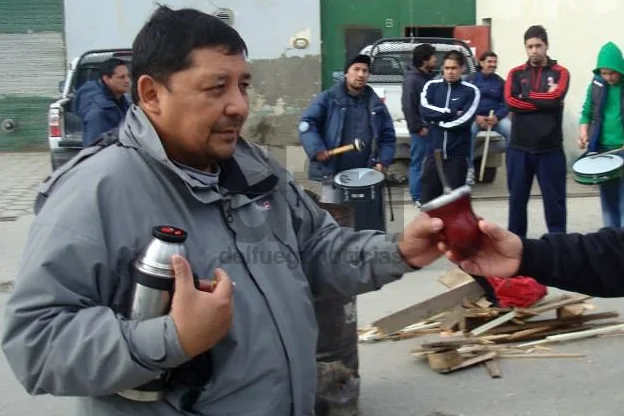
<point x="620" y="149"/>
<point x="357" y="145"/>
<point x="486" y="148"/>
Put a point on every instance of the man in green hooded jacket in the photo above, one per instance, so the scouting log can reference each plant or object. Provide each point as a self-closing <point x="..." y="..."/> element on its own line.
<point x="602" y="125"/>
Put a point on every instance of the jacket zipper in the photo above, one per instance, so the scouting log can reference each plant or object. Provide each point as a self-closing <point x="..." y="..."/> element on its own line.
<point x="374" y="155"/>
<point x="227" y="210"/>
<point x="448" y="98"/>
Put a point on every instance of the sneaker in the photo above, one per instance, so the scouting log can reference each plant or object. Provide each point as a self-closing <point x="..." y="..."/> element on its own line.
<point x="470" y="177"/>
<point x="417" y="204"/>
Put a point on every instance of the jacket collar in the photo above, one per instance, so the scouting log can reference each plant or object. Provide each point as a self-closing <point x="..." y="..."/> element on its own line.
<point x="247" y="172"/>
<point x="339" y="91"/>
<point x="121" y="101"/>
<point x="549" y="63"/>
<point x="453" y="84"/>
<point x="428" y="75"/>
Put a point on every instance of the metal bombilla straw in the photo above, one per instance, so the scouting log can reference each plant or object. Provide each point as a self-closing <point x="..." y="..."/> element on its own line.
<point x="438" y="162"/>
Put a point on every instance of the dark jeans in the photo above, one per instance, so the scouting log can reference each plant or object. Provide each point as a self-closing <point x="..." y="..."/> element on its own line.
<point x="418" y="148"/>
<point x="455" y="170"/>
<point x="550" y="169"/>
<point x="612" y="200"/>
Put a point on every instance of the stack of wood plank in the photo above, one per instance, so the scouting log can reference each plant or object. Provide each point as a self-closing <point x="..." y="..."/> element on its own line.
<point x="470" y="331"/>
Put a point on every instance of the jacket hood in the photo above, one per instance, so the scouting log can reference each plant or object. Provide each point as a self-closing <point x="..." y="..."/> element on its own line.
<point x="92" y="93"/>
<point x="610" y="57"/>
<point x="339" y="90"/>
<point x="248" y="171"/>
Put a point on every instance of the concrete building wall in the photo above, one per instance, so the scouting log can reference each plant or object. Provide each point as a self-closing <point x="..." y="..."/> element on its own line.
<point x="576" y="30"/>
<point x="285" y="78"/>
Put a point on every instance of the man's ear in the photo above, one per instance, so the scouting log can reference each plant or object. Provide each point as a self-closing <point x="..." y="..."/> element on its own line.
<point x="106" y="79"/>
<point x="148" y="90"/>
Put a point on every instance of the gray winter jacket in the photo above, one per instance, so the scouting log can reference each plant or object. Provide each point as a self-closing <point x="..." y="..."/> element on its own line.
<point x="65" y="334"/>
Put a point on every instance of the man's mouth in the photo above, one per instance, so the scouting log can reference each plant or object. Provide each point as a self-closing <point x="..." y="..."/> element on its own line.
<point x="232" y="133"/>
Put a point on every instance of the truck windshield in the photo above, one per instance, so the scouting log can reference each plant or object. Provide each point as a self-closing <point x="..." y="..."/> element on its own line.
<point x="389" y="66"/>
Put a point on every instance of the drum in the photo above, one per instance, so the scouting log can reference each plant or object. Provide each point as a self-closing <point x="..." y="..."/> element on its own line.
<point x="362" y="189"/>
<point x="597" y="169"/>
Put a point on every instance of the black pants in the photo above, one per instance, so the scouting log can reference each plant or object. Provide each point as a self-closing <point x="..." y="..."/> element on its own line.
<point x="455" y="170"/>
<point x="550" y="169"/>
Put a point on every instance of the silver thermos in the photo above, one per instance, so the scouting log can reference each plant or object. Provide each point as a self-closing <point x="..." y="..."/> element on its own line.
<point x="153" y="289"/>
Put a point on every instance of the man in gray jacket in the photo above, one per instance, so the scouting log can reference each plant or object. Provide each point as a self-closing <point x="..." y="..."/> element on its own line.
<point x="178" y="159"/>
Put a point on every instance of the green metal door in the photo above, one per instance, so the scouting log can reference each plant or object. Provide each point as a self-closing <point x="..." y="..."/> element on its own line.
<point x="345" y="20"/>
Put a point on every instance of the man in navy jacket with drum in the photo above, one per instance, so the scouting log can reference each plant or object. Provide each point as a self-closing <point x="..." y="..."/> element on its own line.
<point x="449" y="106"/>
<point x="347" y="111"/>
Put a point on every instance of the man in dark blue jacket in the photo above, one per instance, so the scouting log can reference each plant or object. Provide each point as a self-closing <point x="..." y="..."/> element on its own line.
<point x="101" y="103"/>
<point x="424" y="62"/>
<point x="449" y="106"/>
<point x="347" y="111"/>
<point x="492" y="89"/>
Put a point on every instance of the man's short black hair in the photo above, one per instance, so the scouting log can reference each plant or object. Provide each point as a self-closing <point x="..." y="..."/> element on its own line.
<point x="536" y="31"/>
<point x="109" y="66"/>
<point x="455" y="56"/>
<point x="487" y="54"/>
<point x="421" y="54"/>
<point x="165" y="43"/>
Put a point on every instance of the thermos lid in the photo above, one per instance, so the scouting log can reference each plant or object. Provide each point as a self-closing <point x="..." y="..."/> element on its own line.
<point x="156" y="257"/>
<point x="169" y="234"/>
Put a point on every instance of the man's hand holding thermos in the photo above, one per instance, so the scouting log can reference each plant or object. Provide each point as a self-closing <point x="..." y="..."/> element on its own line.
<point x="202" y="315"/>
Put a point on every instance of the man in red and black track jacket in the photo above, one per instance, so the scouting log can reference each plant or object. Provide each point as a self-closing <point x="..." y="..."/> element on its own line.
<point x="534" y="93"/>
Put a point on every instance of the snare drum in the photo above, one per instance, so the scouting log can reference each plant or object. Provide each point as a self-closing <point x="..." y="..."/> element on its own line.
<point x="362" y="189"/>
<point x="597" y="169"/>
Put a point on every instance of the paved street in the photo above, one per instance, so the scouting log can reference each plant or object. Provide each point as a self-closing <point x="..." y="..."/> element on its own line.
<point x="394" y="384"/>
<point x="20" y="175"/>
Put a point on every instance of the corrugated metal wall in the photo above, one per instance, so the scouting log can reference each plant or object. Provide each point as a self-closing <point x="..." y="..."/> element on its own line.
<point x="33" y="63"/>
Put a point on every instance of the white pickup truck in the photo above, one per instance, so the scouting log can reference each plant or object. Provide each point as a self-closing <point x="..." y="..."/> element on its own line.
<point x="390" y="58"/>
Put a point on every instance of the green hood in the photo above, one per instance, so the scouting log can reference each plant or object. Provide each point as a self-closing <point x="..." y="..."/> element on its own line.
<point x="610" y="57"/>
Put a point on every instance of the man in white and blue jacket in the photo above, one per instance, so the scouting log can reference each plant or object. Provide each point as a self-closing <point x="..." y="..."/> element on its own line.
<point x="449" y="106"/>
<point x="347" y="111"/>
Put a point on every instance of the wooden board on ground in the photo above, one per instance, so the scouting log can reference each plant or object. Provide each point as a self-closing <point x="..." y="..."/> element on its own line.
<point x="469" y="362"/>
<point x="493" y="369"/>
<point x="470" y="291"/>
<point x="455" y="277"/>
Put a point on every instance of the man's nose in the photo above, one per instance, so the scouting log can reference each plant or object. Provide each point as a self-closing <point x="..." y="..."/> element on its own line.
<point x="237" y="105"/>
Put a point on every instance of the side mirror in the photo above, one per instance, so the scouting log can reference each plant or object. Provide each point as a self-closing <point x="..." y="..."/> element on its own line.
<point x="61" y="86"/>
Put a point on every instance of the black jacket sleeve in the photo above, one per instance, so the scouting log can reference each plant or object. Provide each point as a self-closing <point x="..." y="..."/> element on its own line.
<point x="410" y="102"/>
<point x="554" y="99"/>
<point x="592" y="264"/>
<point x="514" y="92"/>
